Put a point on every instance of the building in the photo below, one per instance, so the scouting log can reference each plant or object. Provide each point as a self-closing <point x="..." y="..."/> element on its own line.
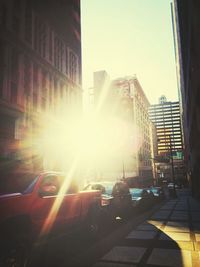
<point x="40" y="71"/>
<point x="166" y="117"/>
<point x="154" y="149"/>
<point x="186" y="19"/>
<point x="125" y="99"/>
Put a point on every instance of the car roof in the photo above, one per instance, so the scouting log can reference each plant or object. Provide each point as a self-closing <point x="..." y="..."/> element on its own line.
<point x="104" y="183"/>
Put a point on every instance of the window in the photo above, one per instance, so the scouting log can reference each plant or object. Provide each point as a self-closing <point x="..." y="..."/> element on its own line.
<point x="73" y="67"/>
<point x="3" y="14"/>
<point x="50" y="185"/>
<point x="50" y="45"/>
<point x="2" y="67"/>
<point x="35" y="87"/>
<point x="28" y="23"/>
<point x="13" y="92"/>
<point x="16" y="16"/>
<point x="58" y="53"/>
<point x="27" y="76"/>
<point x="14" y="76"/>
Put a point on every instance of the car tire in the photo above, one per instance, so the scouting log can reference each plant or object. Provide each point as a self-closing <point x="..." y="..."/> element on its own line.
<point x="15" y="252"/>
<point x="93" y="223"/>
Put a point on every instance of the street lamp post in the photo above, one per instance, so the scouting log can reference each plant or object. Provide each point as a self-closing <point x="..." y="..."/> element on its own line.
<point x="123" y="170"/>
<point x="172" y="162"/>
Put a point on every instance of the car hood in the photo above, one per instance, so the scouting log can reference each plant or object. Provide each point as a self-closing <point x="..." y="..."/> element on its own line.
<point x="136" y="198"/>
<point x="106" y="196"/>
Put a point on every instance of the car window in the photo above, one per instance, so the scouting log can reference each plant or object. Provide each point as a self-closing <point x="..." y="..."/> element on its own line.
<point x="120" y="188"/>
<point x="51" y="180"/>
<point x="88" y="187"/>
<point x="99" y="187"/>
<point x="104" y="187"/>
<point x="136" y="192"/>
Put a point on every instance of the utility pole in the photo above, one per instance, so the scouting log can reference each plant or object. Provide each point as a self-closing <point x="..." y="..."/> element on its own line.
<point x="172" y="162"/>
<point x="123" y="170"/>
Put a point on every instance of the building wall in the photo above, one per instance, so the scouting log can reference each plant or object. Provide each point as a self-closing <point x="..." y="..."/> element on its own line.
<point x="188" y="21"/>
<point x="154" y="149"/>
<point x="141" y="118"/>
<point x="40" y="67"/>
<point x="124" y="98"/>
<point x="135" y="106"/>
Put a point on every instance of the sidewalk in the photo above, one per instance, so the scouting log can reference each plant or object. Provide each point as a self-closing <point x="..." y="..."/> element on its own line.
<point x="170" y="237"/>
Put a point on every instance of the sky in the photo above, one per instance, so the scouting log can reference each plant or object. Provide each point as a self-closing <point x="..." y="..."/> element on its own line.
<point x="127" y="37"/>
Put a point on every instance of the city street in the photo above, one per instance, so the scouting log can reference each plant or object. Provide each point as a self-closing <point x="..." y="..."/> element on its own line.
<point x="166" y="235"/>
<point x="99" y="133"/>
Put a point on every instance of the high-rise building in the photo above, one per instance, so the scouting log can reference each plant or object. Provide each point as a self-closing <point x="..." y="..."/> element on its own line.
<point x="40" y="70"/>
<point x="125" y="99"/>
<point x="133" y="107"/>
<point x="186" y="19"/>
<point x="166" y="117"/>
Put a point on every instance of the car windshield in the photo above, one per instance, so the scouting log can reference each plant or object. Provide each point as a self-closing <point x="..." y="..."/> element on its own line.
<point x="154" y="190"/>
<point x="104" y="187"/>
<point x="108" y="188"/>
<point x="136" y="192"/>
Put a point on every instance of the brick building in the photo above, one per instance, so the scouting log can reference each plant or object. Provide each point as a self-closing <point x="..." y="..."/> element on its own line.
<point x="40" y="70"/>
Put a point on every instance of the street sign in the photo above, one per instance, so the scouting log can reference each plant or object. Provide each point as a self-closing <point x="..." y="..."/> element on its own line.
<point x="177" y="155"/>
<point x="162" y="159"/>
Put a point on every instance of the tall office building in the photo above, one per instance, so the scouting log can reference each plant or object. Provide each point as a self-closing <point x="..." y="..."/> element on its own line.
<point x="166" y="117"/>
<point x="40" y="70"/>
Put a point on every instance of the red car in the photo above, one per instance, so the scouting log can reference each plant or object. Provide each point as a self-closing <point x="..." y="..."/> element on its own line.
<point x="49" y="204"/>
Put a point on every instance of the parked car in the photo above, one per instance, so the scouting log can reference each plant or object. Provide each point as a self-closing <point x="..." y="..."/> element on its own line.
<point x="116" y="198"/>
<point x="141" y="198"/>
<point x="49" y="204"/>
<point x="171" y="186"/>
<point x="158" y="193"/>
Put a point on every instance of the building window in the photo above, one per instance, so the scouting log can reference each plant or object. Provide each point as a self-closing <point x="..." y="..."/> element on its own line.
<point x="16" y="16"/>
<point x="3" y="14"/>
<point x="35" y="87"/>
<point x="16" y="24"/>
<point x="28" y="23"/>
<point x="27" y="78"/>
<point x="66" y="61"/>
<point x="14" y="65"/>
<point x="13" y="93"/>
<point x="14" y="75"/>
<point x="7" y="126"/>
<point x="36" y="29"/>
<point x="2" y="67"/>
<point x="50" y="45"/>
<point x="1" y="84"/>
<point x="56" y="56"/>
<point x="73" y="66"/>
<point x="44" y="90"/>
<point x="42" y="39"/>
<point x="58" y="53"/>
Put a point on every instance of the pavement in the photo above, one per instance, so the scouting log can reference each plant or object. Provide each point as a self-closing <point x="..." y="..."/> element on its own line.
<point x="169" y="237"/>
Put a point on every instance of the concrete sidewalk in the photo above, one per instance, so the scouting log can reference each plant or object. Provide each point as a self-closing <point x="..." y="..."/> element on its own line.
<point x="170" y="237"/>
